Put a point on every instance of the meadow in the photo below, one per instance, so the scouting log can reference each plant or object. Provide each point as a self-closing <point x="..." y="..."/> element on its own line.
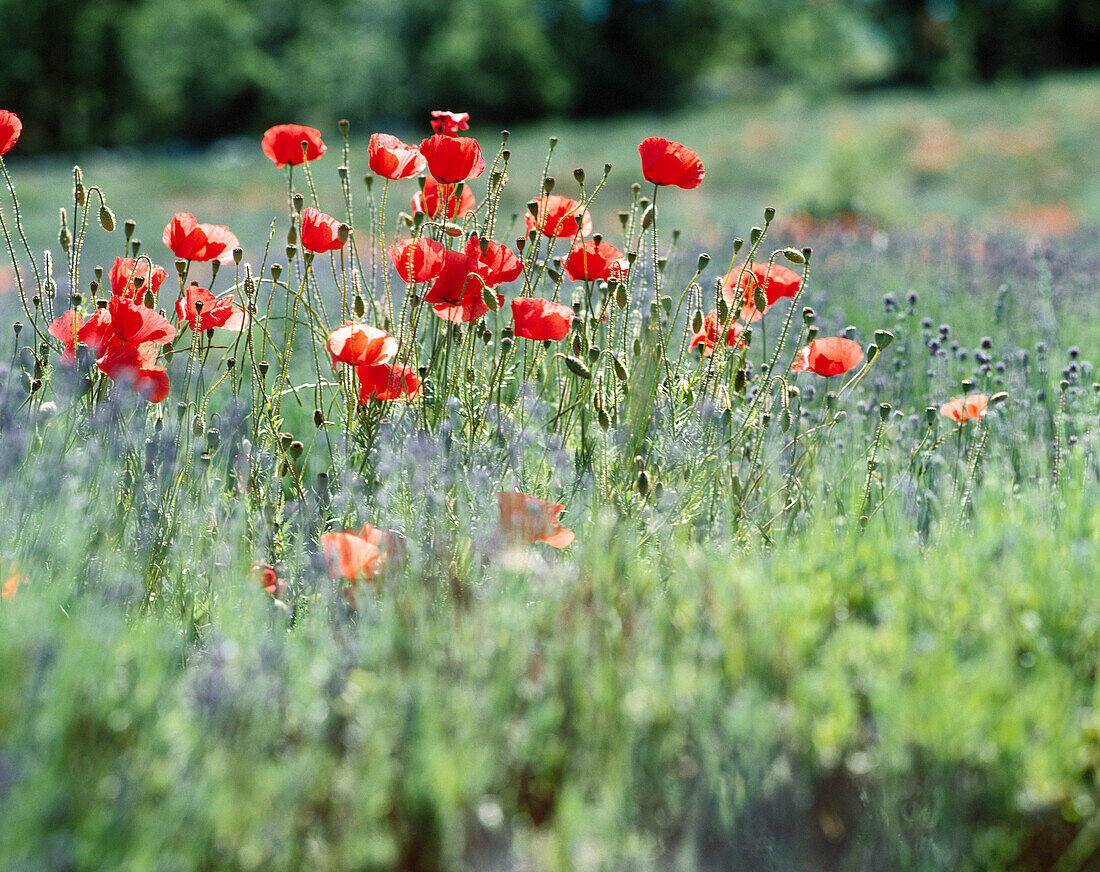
<point x="305" y="592"/>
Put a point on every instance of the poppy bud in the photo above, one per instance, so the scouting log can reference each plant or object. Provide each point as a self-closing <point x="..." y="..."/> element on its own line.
<point x="94" y="288"/>
<point x="806" y="252"/>
<point x="704" y="259"/>
<point x="342" y="233"/>
<point x="697" y="321"/>
<point x="78" y="186"/>
<point x="793" y="256"/>
<point x="548" y="184"/>
<point x="785" y="420"/>
<point x="359" y="306"/>
<point x="883" y="338"/>
<point x="618" y="368"/>
<point x="368" y="180"/>
<point x="648" y="217"/>
<point x="930" y="415"/>
<point x="621" y="296"/>
<point x="603" y="419"/>
<point x="63" y="238"/>
<point x="135" y="247"/>
<point x="262" y="366"/>
<point x="593" y="353"/>
<point x="213" y="439"/>
<point x="759" y="299"/>
<point x="106" y="218"/>
<point x="755" y="234"/>
<point x="150" y="456"/>
<point x="298" y="201"/>
<point x="198" y="425"/>
<point x="578" y="174"/>
<point x="577" y="367"/>
<point x="490" y="299"/>
<point x="739" y="380"/>
<point x="723" y="311"/>
<point x="884" y="411"/>
<point x="181" y="410"/>
<point x="643" y="484"/>
<point x="808" y="315"/>
<point x="811" y="332"/>
<point x="555" y="276"/>
<point x="636" y="346"/>
<point x="576" y="345"/>
<point x="296" y="449"/>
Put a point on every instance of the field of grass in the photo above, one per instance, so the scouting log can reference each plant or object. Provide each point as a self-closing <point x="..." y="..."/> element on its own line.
<point x="806" y="622"/>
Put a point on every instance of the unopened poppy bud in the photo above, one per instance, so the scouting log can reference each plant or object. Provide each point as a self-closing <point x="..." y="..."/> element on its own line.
<point x="755" y="234"/>
<point x="490" y="300"/>
<point x="759" y="299"/>
<point x="793" y="255"/>
<point x="368" y="180"/>
<point x="785" y="420"/>
<point x="554" y="275"/>
<point x="806" y="252"/>
<point x="883" y="338"/>
<point x="603" y="419"/>
<point x="296" y="449"/>
<point x="746" y="335"/>
<point x="723" y="311"/>
<point x="618" y="368"/>
<point x="930" y="415"/>
<point x="495" y="178"/>
<point x="578" y="174"/>
<point x="135" y="247"/>
<point x="548" y="184"/>
<point x="94" y="288"/>
<point x="276" y="271"/>
<point x="636" y="346"/>
<point x="198" y="425"/>
<point x="63" y="238"/>
<point x="78" y="187"/>
<point x="884" y="411"/>
<point x="342" y="233"/>
<point x="648" y="216"/>
<point x="621" y="298"/>
<point x="593" y="353"/>
<point x="452" y="229"/>
<point x="697" y="321"/>
<point x="576" y="345"/>
<point x="643" y="484"/>
<point x="359" y="306"/>
<point x="106" y="218"/>
<point x="298" y="201"/>
<point x="769" y="214"/>
<point x="151" y="301"/>
<point x="576" y="366"/>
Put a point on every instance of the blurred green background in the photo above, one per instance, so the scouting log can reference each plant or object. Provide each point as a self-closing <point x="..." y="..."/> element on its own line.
<point x="113" y="72"/>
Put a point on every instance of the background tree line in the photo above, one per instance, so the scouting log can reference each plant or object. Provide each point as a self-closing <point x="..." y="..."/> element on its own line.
<point x="132" y="71"/>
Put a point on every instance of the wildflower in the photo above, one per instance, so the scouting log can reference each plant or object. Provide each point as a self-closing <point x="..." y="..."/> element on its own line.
<point x="830" y="356"/>
<point x="125" y="270"/>
<point x="708" y="336"/>
<point x="541" y="320"/>
<point x="190" y="240"/>
<point x="417" y="260"/>
<point x="135" y="367"/>
<point x="360" y="345"/>
<point x="974" y="406"/>
<point x="387" y="381"/>
<point x="670" y="163"/>
<point x="10" y="129"/>
<point x="469" y="308"/>
<point x="269" y="579"/>
<point x="527" y="519"/>
<point x="320" y="232"/>
<point x="775" y="280"/>
<point x="223" y="312"/>
<point x="497" y="263"/>
<point x="452" y="158"/>
<point x="449" y="123"/>
<point x="457" y="278"/>
<point x="359" y="555"/>
<point x="593" y="261"/>
<point x="430" y="203"/>
<point x="559" y="217"/>
<point x="283" y="144"/>
<point x="393" y="159"/>
<point x="134" y="324"/>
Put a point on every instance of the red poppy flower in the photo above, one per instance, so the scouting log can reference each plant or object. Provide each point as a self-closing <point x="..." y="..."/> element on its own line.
<point x="469" y="308"/>
<point x="541" y="320"/>
<point x="134" y="324"/>
<point x="10" y="129"/>
<point x="348" y="555"/>
<point x="775" y="280"/>
<point x="215" y="312"/>
<point x="592" y="261"/>
<point x="126" y="269"/>
<point x="528" y="519"/>
<point x="452" y="158"/>
<point x="417" y="260"/>
<point x="559" y="217"/>
<point x="220" y="242"/>
<point x="708" y="336"/>
<point x="320" y="232"/>
<point x="66" y="327"/>
<point x="391" y="158"/>
<point x="135" y="367"/>
<point x="387" y="381"/>
<point x="269" y="579"/>
<point x="457" y="278"/>
<point x="360" y="345"/>
<point x="449" y="123"/>
<point x="283" y="144"/>
<point x="974" y="406"/>
<point x="669" y="163"/>
<point x="430" y="203"/>
<point x="496" y="263"/>
<point x="11" y="585"/>
<point x="833" y="355"/>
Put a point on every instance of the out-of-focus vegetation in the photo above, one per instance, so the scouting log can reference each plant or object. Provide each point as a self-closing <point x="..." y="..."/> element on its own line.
<point x="128" y="71"/>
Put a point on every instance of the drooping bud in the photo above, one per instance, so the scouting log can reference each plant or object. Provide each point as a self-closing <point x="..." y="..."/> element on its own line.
<point x="106" y="218"/>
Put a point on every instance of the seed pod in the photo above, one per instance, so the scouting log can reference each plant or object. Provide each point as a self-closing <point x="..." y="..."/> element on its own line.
<point x="755" y="234"/>
<point x="603" y="419"/>
<point x="769" y="214"/>
<point x="704" y="259"/>
<point x="930" y="415"/>
<point x="884" y="411"/>
<point x="198" y="426"/>
<point x="576" y="366"/>
<point x="128" y="227"/>
<point x="298" y="201"/>
<point x="648" y="217"/>
<point x="618" y="368"/>
<point x="643" y="484"/>
<point x="135" y="247"/>
<point x="106" y="218"/>
<point x="593" y="353"/>
<point x="998" y="398"/>
<point x="737" y="243"/>
<point x="296" y="449"/>
<point x="262" y="367"/>
<point x="213" y="439"/>
<point x="883" y="338"/>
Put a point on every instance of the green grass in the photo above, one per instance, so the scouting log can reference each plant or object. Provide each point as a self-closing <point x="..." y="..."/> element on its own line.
<point x="854" y="638"/>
